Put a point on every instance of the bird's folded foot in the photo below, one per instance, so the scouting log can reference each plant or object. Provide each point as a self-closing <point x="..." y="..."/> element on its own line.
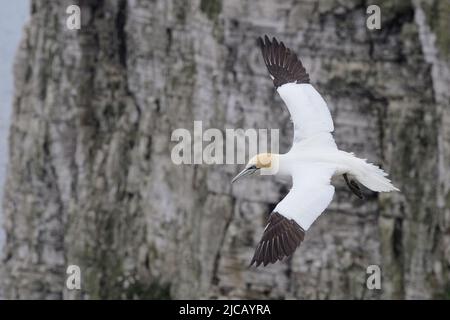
<point x="354" y="186"/>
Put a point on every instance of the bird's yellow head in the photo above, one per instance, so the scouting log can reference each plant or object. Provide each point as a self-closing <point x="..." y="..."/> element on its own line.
<point x="260" y="161"/>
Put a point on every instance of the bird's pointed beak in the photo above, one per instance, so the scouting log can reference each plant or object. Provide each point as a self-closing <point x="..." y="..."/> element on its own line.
<point x="243" y="173"/>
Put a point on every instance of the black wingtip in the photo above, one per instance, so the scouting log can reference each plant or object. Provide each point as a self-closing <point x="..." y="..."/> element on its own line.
<point x="283" y="65"/>
<point x="274" y="41"/>
<point x="260" y="42"/>
<point x="267" y="39"/>
<point x="281" y="238"/>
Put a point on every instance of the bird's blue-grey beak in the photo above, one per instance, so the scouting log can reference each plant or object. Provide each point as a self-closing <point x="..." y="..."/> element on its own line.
<point x="245" y="172"/>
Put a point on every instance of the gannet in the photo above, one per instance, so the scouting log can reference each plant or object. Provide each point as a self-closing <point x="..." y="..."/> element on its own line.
<point x="312" y="161"/>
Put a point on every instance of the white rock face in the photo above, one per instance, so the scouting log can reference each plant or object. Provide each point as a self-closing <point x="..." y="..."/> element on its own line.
<point x="12" y="19"/>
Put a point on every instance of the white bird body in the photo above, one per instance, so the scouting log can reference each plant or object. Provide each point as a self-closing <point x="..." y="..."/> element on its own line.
<point x="312" y="169"/>
<point x="312" y="162"/>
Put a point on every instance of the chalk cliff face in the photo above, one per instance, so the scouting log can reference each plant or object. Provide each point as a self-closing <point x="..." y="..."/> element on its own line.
<point x="91" y="181"/>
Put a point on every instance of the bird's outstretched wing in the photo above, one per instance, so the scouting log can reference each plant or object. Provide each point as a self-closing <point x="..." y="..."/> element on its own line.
<point x="310" y="195"/>
<point x="309" y="111"/>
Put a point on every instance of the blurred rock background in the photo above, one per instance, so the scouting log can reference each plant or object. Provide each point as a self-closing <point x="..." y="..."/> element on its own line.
<point x="12" y="17"/>
<point x="90" y="180"/>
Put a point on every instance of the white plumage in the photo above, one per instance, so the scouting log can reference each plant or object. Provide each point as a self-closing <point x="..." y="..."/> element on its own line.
<point x="309" y="112"/>
<point x="312" y="161"/>
<point x="310" y="195"/>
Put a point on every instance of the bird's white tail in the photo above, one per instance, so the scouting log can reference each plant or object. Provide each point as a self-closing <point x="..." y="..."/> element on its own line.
<point x="372" y="176"/>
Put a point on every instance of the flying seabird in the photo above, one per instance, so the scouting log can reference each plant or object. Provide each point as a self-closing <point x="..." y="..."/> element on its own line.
<point x="311" y="162"/>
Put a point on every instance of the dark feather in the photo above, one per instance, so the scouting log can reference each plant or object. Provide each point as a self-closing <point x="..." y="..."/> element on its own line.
<point x="283" y="64"/>
<point x="354" y="186"/>
<point x="280" y="239"/>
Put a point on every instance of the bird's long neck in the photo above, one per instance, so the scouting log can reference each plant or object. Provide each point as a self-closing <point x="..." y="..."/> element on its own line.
<point x="284" y="164"/>
<point x="278" y="164"/>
